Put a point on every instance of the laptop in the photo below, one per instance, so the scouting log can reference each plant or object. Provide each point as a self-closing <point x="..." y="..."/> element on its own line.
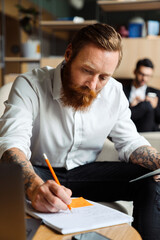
<point x="13" y="225"/>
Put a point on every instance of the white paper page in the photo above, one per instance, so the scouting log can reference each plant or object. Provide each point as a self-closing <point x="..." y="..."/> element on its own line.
<point x="84" y="218"/>
<point x="157" y="171"/>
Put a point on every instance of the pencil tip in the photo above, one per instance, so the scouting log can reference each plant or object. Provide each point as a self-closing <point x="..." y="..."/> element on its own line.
<point x="69" y="207"/>
<point x="45" y="156"/>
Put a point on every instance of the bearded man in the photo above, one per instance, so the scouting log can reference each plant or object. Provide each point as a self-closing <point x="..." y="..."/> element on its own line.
<point x="68" y="112"/>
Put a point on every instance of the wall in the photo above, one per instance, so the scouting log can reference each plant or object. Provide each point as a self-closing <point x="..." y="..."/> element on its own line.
<point x="138" y="48"/>
<point x="56" y="46"/>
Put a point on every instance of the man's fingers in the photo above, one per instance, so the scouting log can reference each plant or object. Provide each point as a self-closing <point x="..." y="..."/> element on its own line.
<point x="153" y="101"/>
<point x="51" y="197"/>
<point x="61" y="192"/>
<point x="41" y="204"/>
<point x="157" y="178"/>
<point x="68" y="191"/>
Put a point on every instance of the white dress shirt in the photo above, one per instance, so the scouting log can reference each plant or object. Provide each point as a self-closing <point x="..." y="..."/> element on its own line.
<point x="36" y="122"/>
<point x="137" y="92"/>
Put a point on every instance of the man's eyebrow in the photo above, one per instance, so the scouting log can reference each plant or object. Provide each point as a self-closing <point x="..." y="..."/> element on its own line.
<point x="92" y="67"/>
<point x="89" y="65"/>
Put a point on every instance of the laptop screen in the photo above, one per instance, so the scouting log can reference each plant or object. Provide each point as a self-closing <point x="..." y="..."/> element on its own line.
<point x="12" y="216"/>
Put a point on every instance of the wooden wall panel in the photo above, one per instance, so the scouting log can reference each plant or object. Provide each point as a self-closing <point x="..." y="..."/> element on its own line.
<point x="138" y="48"/>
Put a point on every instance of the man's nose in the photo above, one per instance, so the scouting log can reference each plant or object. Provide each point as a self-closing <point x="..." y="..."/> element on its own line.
<point x="92" y="83"/>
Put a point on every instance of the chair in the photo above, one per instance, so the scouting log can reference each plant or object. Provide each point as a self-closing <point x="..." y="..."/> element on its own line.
<point x="4" y="92"/>
<point x="112" y="155"/>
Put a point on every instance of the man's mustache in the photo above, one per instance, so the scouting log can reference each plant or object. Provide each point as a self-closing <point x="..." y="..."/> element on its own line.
<point x="84" y="91"/>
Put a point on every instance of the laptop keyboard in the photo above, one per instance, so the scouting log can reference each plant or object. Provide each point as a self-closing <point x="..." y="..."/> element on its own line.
<point x="32" y="226"/>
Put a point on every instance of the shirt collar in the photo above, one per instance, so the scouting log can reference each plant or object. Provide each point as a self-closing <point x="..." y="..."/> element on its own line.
<point x="57" y="82"/>
<point x="142" y="88"/>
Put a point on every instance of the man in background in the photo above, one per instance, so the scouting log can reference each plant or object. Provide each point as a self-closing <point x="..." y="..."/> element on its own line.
<point x="67" y="113"/>
<point x="144" y="100"/>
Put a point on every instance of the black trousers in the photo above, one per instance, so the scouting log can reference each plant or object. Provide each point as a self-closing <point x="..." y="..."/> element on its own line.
<point x="109" y="181"/>
<point x="143" y="115"/>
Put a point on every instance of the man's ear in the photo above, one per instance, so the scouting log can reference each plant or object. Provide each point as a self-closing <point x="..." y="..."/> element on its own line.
<point x="68" y="52"/>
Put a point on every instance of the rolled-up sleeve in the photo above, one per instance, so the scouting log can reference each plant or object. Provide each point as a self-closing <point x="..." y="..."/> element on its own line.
<point x="124" y="133"/>
<point x="17" y="121"/>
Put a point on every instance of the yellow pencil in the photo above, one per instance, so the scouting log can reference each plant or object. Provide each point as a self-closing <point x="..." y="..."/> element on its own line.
<point x="53" y="173"/>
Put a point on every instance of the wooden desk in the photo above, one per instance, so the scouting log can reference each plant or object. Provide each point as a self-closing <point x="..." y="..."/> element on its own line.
<point x="119" y="232"/>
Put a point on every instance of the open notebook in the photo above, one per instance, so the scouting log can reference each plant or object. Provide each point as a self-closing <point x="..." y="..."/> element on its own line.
<point x="85" y="215"/>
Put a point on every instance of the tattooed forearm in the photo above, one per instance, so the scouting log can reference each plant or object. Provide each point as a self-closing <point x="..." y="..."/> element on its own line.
<point x="147" y="157"/>
<point x="17" y="156"/>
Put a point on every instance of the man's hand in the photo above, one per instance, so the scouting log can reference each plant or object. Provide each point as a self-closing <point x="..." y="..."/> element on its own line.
<point x="153" y="101"/>
<point x="136" y="101"/>
<point x="45" y="197"/>
<point x="51" y="197"/>
<point x="157" y="178"/>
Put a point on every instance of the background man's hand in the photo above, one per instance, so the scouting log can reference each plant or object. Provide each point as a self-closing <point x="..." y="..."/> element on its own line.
<point x="153" y="101"/>
<point x="136" y="101"/>
<point x="51" y="197"/>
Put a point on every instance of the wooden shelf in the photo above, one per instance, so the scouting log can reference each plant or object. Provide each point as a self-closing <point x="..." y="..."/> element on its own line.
<point x="66" y="25"/>
<point x="128" y="5"/>
<point x="21" y="59"/>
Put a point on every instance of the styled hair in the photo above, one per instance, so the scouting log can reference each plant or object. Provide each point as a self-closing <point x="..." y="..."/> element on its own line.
<point x="144" y="62"/>
<point x="102" y="35"/>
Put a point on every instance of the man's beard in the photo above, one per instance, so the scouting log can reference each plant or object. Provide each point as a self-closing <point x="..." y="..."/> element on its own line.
<point x="79" y="98"/>
<point x="139" y="83"/>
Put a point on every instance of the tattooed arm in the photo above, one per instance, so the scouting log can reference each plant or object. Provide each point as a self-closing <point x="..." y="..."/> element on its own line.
<point x="147" y="157"/>
<point x="45" y="197"/>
